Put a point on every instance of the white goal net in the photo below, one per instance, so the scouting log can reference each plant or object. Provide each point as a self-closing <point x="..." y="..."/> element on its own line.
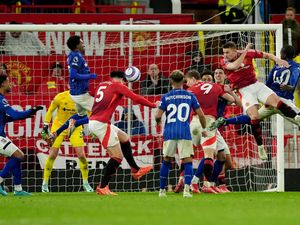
<point x="164" y="48"/>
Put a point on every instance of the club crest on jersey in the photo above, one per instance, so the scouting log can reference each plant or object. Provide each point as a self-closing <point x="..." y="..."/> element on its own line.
<point x="5" y="103"/>
<point x="75" y="59"/>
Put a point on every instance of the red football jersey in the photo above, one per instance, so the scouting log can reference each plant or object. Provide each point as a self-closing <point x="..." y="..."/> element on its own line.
<point x="207" y="94"/>
<point x="244" y="75"/>
<point x="108" y="96"/>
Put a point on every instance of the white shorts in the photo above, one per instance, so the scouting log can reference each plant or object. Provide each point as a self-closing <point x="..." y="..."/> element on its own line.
<point x="185" y="148"/>
<point x="107" y="133"/>
<point x="221" y="144"/>
<point x="253" y="94"/>
<point x="7" y="148"/>
<point x="83" y="103"/>
<point x="196" y="131"/>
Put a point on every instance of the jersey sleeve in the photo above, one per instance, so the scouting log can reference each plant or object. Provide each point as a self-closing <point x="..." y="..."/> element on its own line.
<point x="75" y="61"/>
<point x="162" y="103"/>
<point x="254" y="54"/>
<point x="122" y="89"/>
<point x="221" y="90"/>
<point x="195" y="103"/>
<point x="14" y="114"/>
<point x="75" y="75"/>
<point x="54" y="105"/>
<point x="223" y="63"/>
<point x="295" y="72"/>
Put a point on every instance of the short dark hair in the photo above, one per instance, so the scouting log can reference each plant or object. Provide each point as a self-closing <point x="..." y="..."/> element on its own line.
<point x="176" y="76"/>
<point x="207" y="72"/>
<point x="288" y="52"/>
<point x="3" y="78"/>
<point x="193" y="73"/>
<point x="73" y="41"/>
<point x="56" y="65"/>
<point x="117" y="73"/>
<point x="229" y="44"/>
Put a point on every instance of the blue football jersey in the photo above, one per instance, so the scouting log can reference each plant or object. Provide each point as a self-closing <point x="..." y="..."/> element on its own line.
<point x="177" y="104"/>
<point x="76" y="61"/>
<point x="284" y="76"/>
<point x="8" y="114"/>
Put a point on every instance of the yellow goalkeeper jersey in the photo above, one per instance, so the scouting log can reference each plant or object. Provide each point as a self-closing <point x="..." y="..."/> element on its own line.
<point x="65" y="108"/>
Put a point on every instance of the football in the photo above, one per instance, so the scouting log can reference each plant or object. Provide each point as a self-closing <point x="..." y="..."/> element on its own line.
<point x="132" y="74"/>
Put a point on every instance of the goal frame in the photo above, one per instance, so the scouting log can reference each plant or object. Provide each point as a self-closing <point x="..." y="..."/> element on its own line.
<point x="277" y="28"/>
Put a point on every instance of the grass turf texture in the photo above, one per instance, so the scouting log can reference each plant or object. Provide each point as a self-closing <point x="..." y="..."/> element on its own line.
<point x="148" y="209"/>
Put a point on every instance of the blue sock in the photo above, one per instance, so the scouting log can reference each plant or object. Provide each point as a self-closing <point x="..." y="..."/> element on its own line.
<point x="17" y="174"/>
<point x="75" y="117"/>
<point x="218" y="166"/>
<point x="199" y="170"/>
<point x="82" y="121"/>
<point x="188" y="173"/>
<point x="243" y="119"/>
<point x="12" y="163"/>
<point x="164" y="173"/>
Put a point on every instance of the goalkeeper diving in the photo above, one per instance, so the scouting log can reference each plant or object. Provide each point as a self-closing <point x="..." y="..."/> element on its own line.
<point x="65" y="108"/>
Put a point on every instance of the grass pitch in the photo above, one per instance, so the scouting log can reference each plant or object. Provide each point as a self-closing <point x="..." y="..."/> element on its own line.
<point x="148" y="209"/>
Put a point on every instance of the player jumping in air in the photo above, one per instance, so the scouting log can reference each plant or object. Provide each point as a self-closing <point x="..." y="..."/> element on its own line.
<point x="178" y="104"/>
<point x="283" y="81"/>
<point x="65" y="107"/>
<point x="107" y="97"/>
<point x="239" y="69"/>
<point x="7" y="148"/>
<point x="80" y="75"/>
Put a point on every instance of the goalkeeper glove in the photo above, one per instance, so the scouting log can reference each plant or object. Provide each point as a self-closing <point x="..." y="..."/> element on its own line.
<point x="34" y="109"/>
<point x="45" y="132"/>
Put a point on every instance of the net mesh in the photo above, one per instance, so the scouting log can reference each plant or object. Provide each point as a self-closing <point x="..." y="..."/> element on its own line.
<point x="29" y="67"/>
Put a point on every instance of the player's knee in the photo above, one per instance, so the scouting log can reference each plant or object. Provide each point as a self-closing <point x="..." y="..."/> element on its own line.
<point x="273" y="100"/>
<point x="167" y="158"/>
<point x="187" y="159"/>
<point x="18" y="154"/>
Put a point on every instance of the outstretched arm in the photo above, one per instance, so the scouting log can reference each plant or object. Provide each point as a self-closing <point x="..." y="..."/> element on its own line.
<point x="277" y="60"/>
<point x="137" y="98"/>
<point x="13" y="115"/>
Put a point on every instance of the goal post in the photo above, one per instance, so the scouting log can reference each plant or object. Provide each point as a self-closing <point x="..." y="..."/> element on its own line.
<point x="117" y="47"/>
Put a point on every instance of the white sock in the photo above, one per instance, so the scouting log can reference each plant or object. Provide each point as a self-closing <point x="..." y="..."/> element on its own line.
<point x="18" y="187"/>
<point x="1" y="180"/>
<point x="186" y="188"/>
<point x="195" y="180"/>
<point x="45" y="183"/>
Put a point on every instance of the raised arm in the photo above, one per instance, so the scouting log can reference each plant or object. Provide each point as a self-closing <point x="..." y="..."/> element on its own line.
<point x="237" y="63"/>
